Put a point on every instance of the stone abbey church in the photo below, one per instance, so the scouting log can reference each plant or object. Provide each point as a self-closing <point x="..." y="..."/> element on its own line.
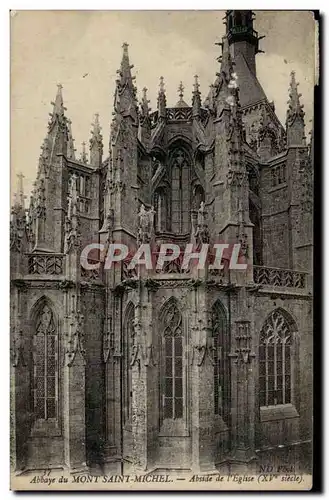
<point x="197" y="369"/>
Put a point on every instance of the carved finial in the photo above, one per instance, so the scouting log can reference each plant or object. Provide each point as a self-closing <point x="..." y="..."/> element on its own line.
<point x="196" y="83"/>
<point x="196" y="98"/>
<point x="161" y="85"/>
<point x="162" y="99"/>
<point x="145" y="105"/>
<point x="181" y="103"/>
<point x="19" y="197"/>
<point x="96" y="143"/>
<point x="181" y="90"/>
<point x="83" y="157"/>
<point x="125" y="68"/>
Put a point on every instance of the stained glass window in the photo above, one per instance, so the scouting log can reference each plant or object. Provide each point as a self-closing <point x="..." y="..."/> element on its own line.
<point x="221" y="362"/>
<point x="172" y="340"/>
<point x="46" y="366"/>
<point x="275" y="361"/>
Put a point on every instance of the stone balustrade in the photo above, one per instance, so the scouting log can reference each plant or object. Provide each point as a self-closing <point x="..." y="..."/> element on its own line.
<point x="45" y="264"/>
<point x="273" y="276"/>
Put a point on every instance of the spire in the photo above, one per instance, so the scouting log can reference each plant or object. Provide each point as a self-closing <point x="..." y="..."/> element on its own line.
<point x="58" y="104"/>
<point x="70" y="142"/>
<point x="181" y="103"/>
<point x="295" y="115"/>
<point x="196" y="98"/>
<point x="57" y="116"/>
<point x="295" y="108"/>
<point x="96" y="143"/>
<point x="125" y="69"/>
<point x="83" y="157"/>
<point x="162" y="99"/>
<point x="125" y="92"/>
<point x="57" y="129"/>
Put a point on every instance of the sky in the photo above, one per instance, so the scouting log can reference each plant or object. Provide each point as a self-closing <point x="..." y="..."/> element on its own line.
<point x="82" y="51"/>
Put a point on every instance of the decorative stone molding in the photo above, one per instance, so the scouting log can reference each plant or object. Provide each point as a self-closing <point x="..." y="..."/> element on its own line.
<point x="279" y="277"/>
<point x="128" y="274"/>
<point x="179" y="114"/>
<point x="108" y="340"/>
<point x="17" y="231"/>
<point x="200" y="229"/>
<point x="150" y="359"/>
<point x="242" y="353"/>
<point x="152" y="284"/>
<point x="72" y="223"/>
<point x="203" y="351"/>
<point x="75" y="337"/>
<point x="45" y="264"/>
<point x="141" y="356"/>
<point x="145" y="225"/>
<point x="18" y="354"/>
<point x="136" y="355"/>
<point x="235" y="178"/>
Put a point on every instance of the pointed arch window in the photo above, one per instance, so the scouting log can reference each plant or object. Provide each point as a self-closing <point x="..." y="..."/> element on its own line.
<point x="46" y="383"/>
<point x="221" y="361"/>
<point x="172" y="360"/>
<point x="275" y="361"/>
<point x="180" y="193"/>
<point x="129" y="333"/>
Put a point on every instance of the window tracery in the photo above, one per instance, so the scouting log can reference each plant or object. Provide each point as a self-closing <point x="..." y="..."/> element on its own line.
<point x="221" y="362"/>
<point x="275" y="361"/>
<point x="46" y="366"/>
<point x="172" y="354"/>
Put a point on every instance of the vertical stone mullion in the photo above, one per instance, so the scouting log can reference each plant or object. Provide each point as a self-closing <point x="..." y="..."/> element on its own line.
<point x="202" y="390"/>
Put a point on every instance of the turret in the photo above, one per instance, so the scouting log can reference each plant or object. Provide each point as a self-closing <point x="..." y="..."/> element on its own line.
<point x="242" y="38"/>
